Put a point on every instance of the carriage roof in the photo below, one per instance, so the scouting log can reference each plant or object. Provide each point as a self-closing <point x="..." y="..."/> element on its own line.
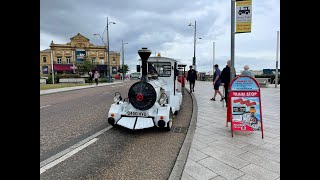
<point x="160" y="59"/>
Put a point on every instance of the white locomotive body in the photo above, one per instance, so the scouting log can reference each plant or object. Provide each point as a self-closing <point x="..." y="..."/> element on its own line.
<point x="153" y="101"/>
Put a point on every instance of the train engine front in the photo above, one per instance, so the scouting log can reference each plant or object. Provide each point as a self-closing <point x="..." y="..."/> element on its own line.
<point x="147" y="102"/>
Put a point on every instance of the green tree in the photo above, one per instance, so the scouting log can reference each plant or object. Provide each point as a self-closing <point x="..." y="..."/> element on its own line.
<point x="85" y="66"/>
<point x="126" y="69"/>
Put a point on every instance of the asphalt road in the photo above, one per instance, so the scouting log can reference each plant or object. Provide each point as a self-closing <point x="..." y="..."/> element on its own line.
<point x="69" y="117"/>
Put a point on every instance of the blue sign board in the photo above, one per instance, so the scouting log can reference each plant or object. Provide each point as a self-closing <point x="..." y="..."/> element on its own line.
<point x="244" y="83"/>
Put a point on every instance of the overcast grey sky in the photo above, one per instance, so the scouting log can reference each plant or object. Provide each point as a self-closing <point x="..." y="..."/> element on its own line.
<point x="162" y="26"/>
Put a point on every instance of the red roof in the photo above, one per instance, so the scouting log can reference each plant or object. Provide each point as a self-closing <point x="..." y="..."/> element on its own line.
<point x="62" y="67"/>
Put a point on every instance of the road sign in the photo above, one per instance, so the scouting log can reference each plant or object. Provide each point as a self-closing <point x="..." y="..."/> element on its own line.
<point x="243" y="16"/>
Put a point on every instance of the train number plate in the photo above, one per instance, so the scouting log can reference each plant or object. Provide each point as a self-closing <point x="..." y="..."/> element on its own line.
<point x="132" y="113"/>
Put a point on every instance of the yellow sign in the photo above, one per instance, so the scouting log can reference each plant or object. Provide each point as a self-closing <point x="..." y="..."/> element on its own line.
<point x="243" y="16"/>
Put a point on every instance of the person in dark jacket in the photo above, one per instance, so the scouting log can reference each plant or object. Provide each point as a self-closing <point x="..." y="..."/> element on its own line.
<point x="225" y="80"/>
<point x="192" y="77"/>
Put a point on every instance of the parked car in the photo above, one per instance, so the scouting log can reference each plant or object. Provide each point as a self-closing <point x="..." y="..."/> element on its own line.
<point x="118" y="76"/>
<point x="136" y="75"/>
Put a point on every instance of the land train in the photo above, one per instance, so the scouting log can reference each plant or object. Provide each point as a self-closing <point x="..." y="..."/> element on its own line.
<point x="154" y="100"/>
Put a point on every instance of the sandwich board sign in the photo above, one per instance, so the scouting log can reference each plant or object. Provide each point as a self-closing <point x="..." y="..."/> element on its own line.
<point x="244" y="105"/>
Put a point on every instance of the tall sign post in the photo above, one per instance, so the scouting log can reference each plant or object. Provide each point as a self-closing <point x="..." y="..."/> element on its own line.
<point x="243" y="12"/>
<point x="244" y="105"/>
<point x="276" y="82"/>
<point x="232" y="40"/>
<point x="213" y="58"/>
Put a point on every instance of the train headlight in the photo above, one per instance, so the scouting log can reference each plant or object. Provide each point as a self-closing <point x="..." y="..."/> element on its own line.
<point x="163" y="99"/>
<point x="117" y="97"/>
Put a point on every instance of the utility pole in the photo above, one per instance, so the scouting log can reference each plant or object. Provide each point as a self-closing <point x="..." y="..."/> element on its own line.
<point x="276" y="82"/>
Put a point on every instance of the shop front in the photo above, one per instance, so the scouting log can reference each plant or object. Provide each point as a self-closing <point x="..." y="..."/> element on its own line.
<point x="102" y="69"/>
<point x="63" y="68"/>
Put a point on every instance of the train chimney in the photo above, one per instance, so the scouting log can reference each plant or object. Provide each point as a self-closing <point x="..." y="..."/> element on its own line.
<point x="144" y="54"/>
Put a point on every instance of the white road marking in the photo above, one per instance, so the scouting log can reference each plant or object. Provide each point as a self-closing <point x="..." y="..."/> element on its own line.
<point x="66" y="156"/>
<point x="44" y="106"/>
<point x="66" y="151"/>
<point x="105" y="92"/>
<point x="112" y="86"/>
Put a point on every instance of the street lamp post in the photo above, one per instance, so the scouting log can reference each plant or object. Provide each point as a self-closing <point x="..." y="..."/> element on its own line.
<point x="213" y="57"/>
<point x="276" y="81"/>
<point x="123" y="74"/>
<point x="107" y="46"/>
<point x="194" y="43"/>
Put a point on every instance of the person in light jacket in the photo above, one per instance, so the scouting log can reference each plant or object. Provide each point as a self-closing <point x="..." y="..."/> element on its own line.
<point x="96" y="77"/>
<point x="246" y="72"/>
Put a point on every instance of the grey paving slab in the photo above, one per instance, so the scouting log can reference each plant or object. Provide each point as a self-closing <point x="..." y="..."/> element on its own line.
<point x="196" y="155"/>
<point x="200" y="124"/>
<point x="272" y="130"/>
<point x="218" y="178"/>
<point x="198" y="144"/>
<point x="227" y="147"/>
<point x="271" y="147"/>
<point x="273" y="123"/>
<point x="221" y="168"/>
<point x="249" y="139"/>
<point x="259" y="172"/>
<point x="229" y="159"/>
<point x="219" y="122"/>
<point x="223" y="130"/>
<point x="246" y="156"/>
<point x="203" y="121"/>
<point x="198" y="171"/>
<point x="247" y="177"/>
<point x="270" y="126"/>
<point x="268" y="134"/>
<point x="263" y="152"/>
<point x="203" y="131"/>
<point x="229" y="140"/>
<point x="203" y="138"/>
<point x="267" y="140"/>
<point x="260" y="161"/>
<point x="186" y="176"/>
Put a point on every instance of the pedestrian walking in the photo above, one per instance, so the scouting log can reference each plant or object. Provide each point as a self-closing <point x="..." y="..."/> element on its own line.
<point x="192" y="77"/>
<point x="225" y="79"/>
<point x="96" y="77"/>
<point x="217" y="83"/>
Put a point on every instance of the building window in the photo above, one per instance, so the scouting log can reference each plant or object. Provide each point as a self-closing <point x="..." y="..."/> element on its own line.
<point x="101" y="61"/>
<point x="68" y="60"/>
<point x="93" y="60"/>
<point x="59" y="60"/>
<point x="44" y="59"/>
<point x="113" y="61"/>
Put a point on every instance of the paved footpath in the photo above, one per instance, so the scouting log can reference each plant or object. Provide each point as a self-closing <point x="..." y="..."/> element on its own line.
<point x="56" y="90"/>
<point x="215" y="155"/>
